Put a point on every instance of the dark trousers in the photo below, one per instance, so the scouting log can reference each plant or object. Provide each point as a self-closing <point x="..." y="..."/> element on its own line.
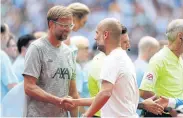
<point x="149" y="114"/>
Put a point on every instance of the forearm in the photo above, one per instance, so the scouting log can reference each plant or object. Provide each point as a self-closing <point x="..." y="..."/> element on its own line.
<point x="97" y="103"/>
<point x="74" y="112"/>
<point x="39" y="94"/>
<point x="83" y="101"/>
<point x="146" y="94"/>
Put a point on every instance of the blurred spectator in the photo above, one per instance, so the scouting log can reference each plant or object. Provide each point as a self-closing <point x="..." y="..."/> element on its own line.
<point x="39" y="34"/>
<point x="82" y="45"/>
<point x="80" y="15"/>
<point x="11" y="48"/>
<point x="147" y="47"/>
<point x="163" y="43"/>
<point x="8" y="78"/>
<point x="23" y="43"/>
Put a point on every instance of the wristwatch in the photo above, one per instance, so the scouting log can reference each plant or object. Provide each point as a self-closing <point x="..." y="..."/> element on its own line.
<point x="140" y="106"/>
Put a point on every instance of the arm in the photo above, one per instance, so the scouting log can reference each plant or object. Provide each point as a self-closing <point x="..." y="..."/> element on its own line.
<point x="74" y="94"/>
<point x="149" y="80"/>
<point x="146" y="94"/>
<point x="8" y="78"/>
<point x="151" y="106"/>
<point x="101" y="98"/>
<point x="32" y="90"/>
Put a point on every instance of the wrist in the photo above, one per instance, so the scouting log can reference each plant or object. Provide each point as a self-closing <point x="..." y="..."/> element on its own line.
<point x="171" y="102"/>
<point x="141" y="105"/>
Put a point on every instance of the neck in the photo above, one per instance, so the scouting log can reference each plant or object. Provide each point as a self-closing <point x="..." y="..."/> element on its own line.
<point x="143" y="57"/>
<point x="52" y="39"/>
<point x="175" y="50"/>
<point x="110" y="47"/>
<point x="22" y="54"/>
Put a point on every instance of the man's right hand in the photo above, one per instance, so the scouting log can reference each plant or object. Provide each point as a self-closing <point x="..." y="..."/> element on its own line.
<point x="67" y="103"/>
<point x="152" y="107"/>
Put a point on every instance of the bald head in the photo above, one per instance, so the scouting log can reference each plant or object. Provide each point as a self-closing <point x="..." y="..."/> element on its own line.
<point x="111" y="25"/>
<point x="174" y="27"/>
<point x="79" y="41"/>
<point x="148" y="46"/>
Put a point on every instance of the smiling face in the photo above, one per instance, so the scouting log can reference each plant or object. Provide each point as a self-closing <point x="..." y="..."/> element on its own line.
<point x="62" y="27"/>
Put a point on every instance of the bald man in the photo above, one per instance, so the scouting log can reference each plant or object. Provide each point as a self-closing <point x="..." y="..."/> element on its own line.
<point x="147" y="47"/>
<point x="115" y="99"/>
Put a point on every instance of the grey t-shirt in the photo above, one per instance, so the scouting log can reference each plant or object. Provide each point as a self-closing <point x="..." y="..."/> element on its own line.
<point x="54" y="68"/>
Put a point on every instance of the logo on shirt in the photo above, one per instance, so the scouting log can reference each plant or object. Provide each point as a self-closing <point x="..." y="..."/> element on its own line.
<point x="149" y="76"/>
<point x="62" y="73"/>
<point x="49" y="60"/>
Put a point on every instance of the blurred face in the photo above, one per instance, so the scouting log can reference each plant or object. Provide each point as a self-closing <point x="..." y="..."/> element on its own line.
<point x="12" y="49"/>
<point x="62" y="27"/>
<point x="79" y="23"/>
<point x="83" y="54"/>
<point x="99" y="39"/>
<point x="125" y="42"/>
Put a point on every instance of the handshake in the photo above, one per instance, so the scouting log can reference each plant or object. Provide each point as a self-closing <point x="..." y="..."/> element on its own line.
<point x="157" y="105"/>
<point x="67" y="103"/>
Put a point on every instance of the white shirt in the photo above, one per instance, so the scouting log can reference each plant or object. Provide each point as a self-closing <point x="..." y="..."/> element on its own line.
<point x="120" y="71"/>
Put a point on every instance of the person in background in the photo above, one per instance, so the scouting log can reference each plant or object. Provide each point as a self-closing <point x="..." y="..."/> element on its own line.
<point x="125" y="41"/>
<point x="147" y="47"/>
<point x="39" y="34"/>
<point x="80" y="16"/>
<point x="22" y="44"/>
<point x="11" y="48"/>
<point x="8" y="77"/>
<point x="164" y="76"/>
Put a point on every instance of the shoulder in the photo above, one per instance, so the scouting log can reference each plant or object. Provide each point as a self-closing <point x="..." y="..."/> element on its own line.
<point x="39" y="43"/>
<point x="159" y="58"/>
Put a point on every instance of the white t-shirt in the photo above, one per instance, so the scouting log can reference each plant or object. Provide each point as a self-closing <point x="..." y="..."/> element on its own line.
<point x="120" y="71"/>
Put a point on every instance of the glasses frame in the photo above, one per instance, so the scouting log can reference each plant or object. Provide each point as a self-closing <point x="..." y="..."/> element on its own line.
<point x="70" y="26"/>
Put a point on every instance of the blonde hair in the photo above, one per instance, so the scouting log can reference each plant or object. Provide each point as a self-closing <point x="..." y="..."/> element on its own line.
<point x="79" y="10"/>
<point x="57" y="12"/>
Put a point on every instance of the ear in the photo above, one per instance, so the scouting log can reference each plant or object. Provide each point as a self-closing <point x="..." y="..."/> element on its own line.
<point x="106" y="34"/>
<point x="180" y="36"/>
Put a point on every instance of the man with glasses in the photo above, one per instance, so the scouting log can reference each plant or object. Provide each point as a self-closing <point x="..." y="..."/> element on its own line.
<point x="49" y="73"/>
<point x="164" y="76"/>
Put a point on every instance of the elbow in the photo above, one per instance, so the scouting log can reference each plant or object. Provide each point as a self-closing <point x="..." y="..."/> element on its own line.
<point x="27" y="89"/>
<point x="106" y="94"/>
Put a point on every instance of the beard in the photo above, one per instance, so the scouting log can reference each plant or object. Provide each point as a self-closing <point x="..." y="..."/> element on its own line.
<point x="101" y="48"/>
<point x="61" y="37"/>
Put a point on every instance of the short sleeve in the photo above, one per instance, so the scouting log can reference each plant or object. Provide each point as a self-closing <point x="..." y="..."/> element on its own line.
<point x="151" y="75"/>
<point x="32" y="62"/>
<point x="73" y="67"/>
<point x="109" y="70"/>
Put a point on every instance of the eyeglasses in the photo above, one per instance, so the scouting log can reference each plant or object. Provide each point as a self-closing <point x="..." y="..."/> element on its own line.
<point x="70" y="26"/>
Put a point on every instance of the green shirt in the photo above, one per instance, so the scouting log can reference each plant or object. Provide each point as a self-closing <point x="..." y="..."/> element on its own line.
<point x="165" y="75"/>
<point x="94" y="76"/>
